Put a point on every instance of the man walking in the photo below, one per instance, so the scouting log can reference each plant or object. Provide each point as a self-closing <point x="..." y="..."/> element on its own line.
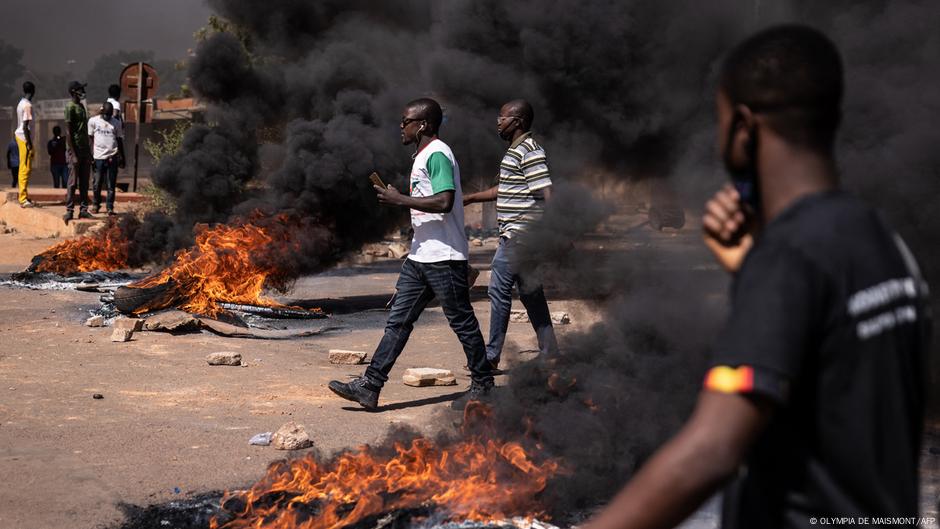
<point x="58" y="163"/>
<point x="437" y="264"/>
<point x="106" y="136"/>
<point x="24" y="141"/>
<point x="524" y="187"/>
<point x="813" y="408"/>
<point x="79" y="152"/>
<point x="13" y="162"/>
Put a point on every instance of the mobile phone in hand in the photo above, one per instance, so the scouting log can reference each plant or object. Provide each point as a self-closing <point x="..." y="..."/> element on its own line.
<point x="376" y="181"/>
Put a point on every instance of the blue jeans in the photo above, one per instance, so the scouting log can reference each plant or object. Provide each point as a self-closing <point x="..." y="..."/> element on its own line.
<point x="418" y="284"/>
<point x="60" y="175"/>
<point x="105" y="172"/>
<point x="503" y="275"/>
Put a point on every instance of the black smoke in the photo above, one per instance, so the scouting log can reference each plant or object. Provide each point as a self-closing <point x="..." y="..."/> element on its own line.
<point x="622" y="89"/>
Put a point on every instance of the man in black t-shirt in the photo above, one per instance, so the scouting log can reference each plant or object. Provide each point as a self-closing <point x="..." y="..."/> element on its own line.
<point x="813" y="407"/>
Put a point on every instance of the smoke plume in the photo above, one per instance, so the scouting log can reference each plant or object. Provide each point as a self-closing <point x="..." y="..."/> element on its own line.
<point x="622" y="89"/>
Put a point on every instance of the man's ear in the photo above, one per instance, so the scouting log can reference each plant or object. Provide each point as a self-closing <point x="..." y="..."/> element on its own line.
<point x="743" y="127"/>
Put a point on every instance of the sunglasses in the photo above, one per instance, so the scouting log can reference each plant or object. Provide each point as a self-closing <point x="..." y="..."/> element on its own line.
<point x="406" y="121"/>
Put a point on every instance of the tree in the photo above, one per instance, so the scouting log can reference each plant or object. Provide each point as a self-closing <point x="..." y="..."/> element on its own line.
<point x="107" y="71"/>
<point x="11" y="71"/>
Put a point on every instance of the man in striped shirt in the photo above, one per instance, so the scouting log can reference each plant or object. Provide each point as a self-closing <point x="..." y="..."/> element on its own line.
<point x="523" y="189"/>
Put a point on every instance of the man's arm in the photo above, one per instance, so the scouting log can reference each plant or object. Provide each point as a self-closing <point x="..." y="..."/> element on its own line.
<point x="91" y="136"/>
<point x="28" y="134"/>
<point x="690" y="467"/>
<point x="119" y="132"/>
<point x="71" y="131"/>
<point x="547" y="193"/>
<point x="442" y="202"/>
<point x="487" y="195"/>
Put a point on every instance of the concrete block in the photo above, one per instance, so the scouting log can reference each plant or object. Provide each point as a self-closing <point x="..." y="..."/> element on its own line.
<point x="428" y="376"/>
<point x="291" y="436"/>
<point x="342" y="356"/>
<point x="121" y="335"/>
<point x="134" y="324"/>
<point x="224" y="358"/>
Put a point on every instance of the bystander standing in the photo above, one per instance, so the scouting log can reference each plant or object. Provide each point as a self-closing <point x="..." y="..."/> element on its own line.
<point x="58" y="163"/>
<point x="13" y="162"/>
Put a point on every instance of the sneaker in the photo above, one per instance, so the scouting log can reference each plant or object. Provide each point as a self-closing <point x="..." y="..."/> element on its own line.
<point x="67" y="217"/>
<point x="96" y="209"/>
<point x="27" y="204"/>
<point x="84" y="214"/>
<point x="111" y="213"/>
<point x="359" y="390"/>
<point x="477" y="393"/>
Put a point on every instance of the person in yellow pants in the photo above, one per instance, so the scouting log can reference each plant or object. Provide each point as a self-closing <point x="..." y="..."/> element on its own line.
<point x="24" y="141"/>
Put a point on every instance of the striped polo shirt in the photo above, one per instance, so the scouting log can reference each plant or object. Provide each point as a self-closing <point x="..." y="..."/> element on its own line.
<point x="523" y="173"/>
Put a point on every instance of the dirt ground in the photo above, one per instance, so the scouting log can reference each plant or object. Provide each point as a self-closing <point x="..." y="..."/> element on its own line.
<point x="170" y="426"/>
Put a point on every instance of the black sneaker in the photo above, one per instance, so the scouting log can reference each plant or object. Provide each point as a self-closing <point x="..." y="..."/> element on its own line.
<point x="96" y="209"/>
<point x="111" y="213"/>
<point x="478" y="392"/>
<point x="67" y="217"/>
<point x="359" y="390"/>
<point x="85" y="215"/>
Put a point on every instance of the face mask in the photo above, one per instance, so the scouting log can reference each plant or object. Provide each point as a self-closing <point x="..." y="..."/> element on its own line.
<point x="744" y="180"/>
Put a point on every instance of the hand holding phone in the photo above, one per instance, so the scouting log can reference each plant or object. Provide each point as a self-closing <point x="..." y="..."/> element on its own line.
<point x="376" y="181"/>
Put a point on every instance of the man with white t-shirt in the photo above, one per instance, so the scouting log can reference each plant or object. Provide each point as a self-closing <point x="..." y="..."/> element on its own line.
<point x="107" y="149"/>
<point x="114" y="94"/>
<point x="437" y="265"/>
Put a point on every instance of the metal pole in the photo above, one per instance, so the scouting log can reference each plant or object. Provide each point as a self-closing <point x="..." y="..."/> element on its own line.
<point x="140" y="117"/>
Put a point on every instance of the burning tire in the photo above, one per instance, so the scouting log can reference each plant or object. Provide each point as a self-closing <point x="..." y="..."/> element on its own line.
<point x="129" y="300"/>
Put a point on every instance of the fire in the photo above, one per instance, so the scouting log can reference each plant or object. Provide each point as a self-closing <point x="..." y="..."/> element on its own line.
<point x="476" y="478"/>
<point x="106" y="250"/>
<point x="231" y="263"/>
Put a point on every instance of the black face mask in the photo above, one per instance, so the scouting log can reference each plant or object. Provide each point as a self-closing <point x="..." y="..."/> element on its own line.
<point x="744" y="180"/>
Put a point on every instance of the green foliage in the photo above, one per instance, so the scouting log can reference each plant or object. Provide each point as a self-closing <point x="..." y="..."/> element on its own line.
<point x="11" y="70"/>
<point x="217" y="24"/>
<point x="169" y="143"/>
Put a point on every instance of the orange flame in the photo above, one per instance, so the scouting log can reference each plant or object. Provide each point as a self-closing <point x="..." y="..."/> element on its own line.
<point x="476" y="478"/>
<point x="231" y="263"/>
<point x="106" y="250"/>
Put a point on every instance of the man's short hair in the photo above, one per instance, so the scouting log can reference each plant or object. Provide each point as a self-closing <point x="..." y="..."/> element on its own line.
<point x="430" y="111"/>
<point x="29" y="87"/>
<point x="114" y="91"/>
<point x="524" y="111"/>
<point x="793" y="74"/>
<point x="57" y="130"/>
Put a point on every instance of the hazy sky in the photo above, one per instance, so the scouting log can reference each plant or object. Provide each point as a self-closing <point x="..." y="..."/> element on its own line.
<point x="53" y="32"/>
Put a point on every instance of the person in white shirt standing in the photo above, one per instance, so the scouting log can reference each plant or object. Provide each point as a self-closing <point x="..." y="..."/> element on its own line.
<point x="437" y="265"/>
<point x="107" y="148"/>
<point x="114" y="96"/>
<point x="24" y="141"/>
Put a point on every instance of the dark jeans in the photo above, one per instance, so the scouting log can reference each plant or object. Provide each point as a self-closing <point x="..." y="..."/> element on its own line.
<point x="78" y="177"/>
<point x="503" y="274"/>
<point x="418" y="284"/>
<point x="15" y="170"/>
<point x="60" y="175"/>
<point x="105" y="175"/>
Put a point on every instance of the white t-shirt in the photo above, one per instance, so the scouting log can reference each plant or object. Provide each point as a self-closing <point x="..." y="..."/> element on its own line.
<point x="104" y="134"/>
<point x="117" y="109"/>
<point x="438" y="236"/>
<point x="24" y="112"/>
